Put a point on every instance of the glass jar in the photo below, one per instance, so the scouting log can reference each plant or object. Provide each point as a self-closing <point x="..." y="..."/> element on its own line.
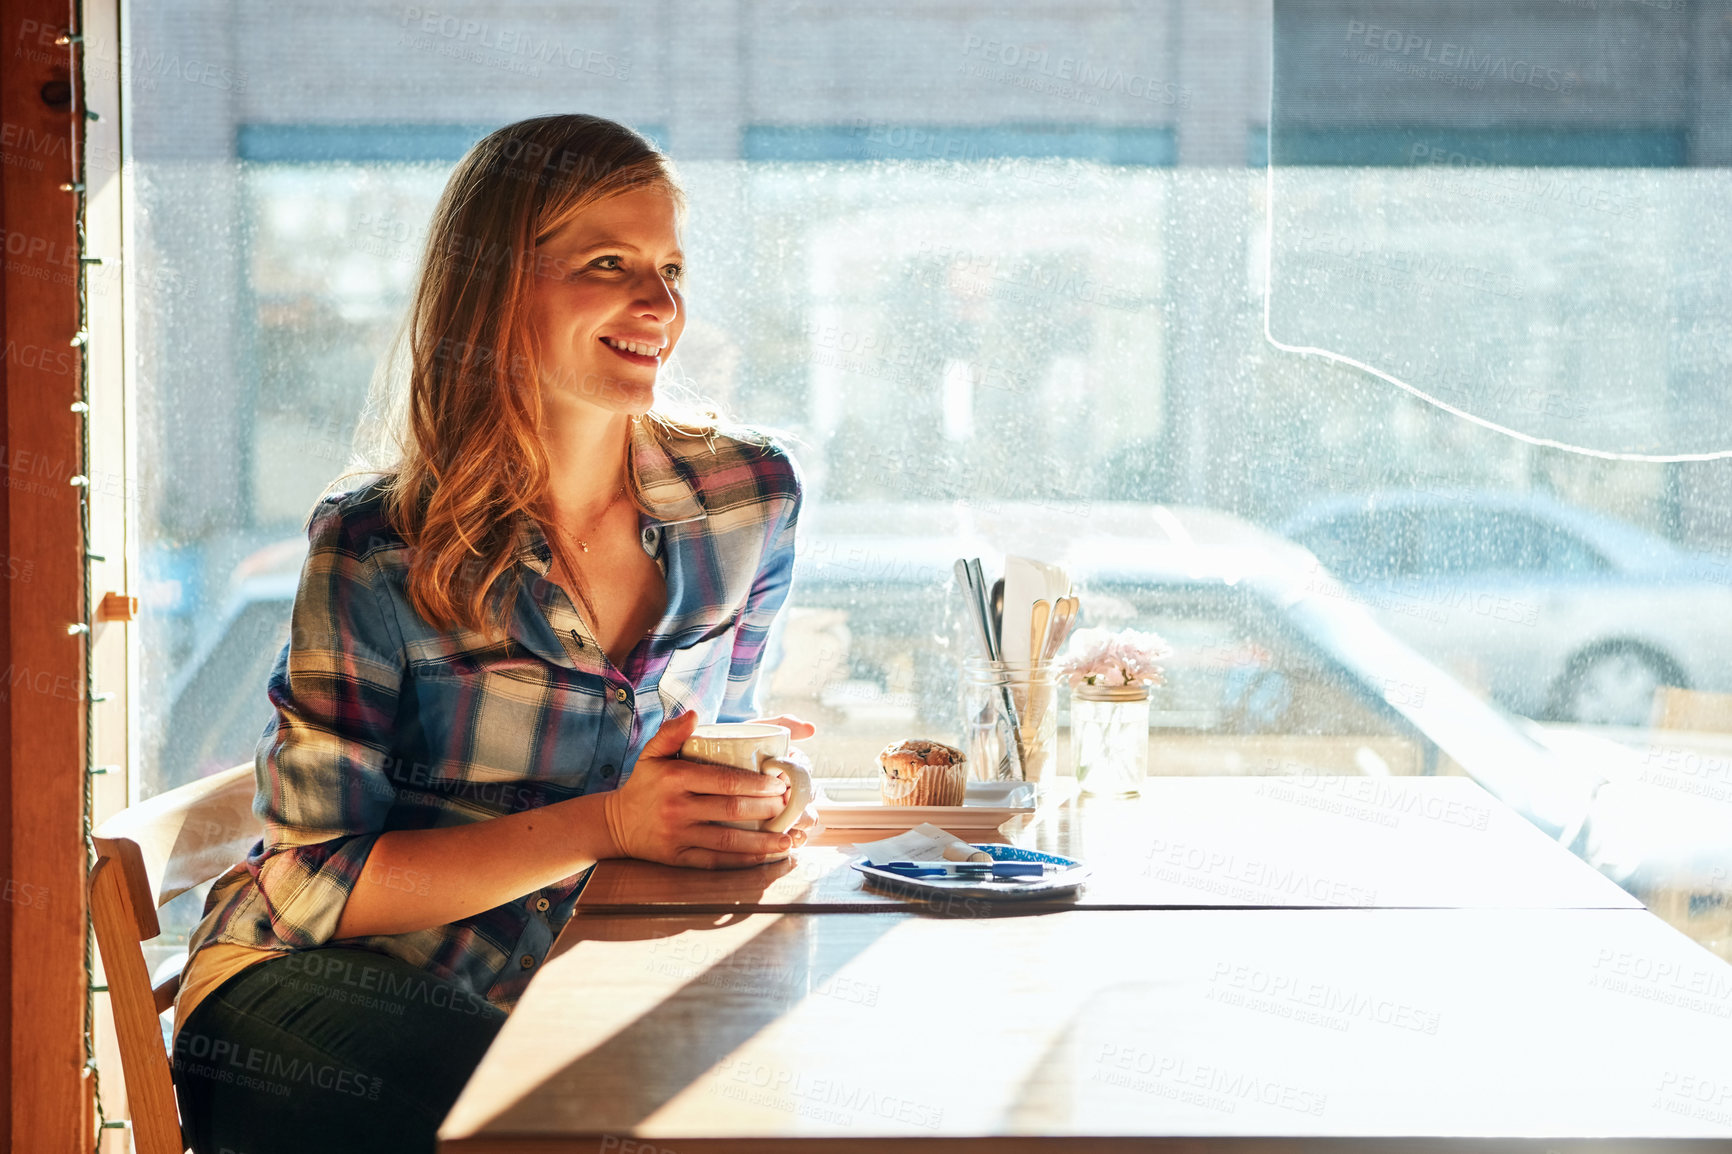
<point x="1109" y="732"/>
<point x="1000" y="699"/>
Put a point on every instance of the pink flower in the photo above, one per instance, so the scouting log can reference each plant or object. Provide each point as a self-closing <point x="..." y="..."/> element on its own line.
<point x="1129" y="657"/>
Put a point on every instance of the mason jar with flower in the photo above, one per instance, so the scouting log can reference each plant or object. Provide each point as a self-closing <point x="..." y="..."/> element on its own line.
<point x="1110" y="675"/>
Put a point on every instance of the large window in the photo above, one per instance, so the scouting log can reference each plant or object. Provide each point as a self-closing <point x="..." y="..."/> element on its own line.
<point x="1002" y="274"/>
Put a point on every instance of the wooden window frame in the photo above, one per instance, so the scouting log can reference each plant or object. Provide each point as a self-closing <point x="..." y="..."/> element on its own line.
<point x="47" y="714"/>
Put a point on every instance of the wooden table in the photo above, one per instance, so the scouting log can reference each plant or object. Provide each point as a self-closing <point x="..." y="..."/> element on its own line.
<point x="1519" y="996"/>
<point x="1246" y="842"/>
<point x="1074" y="1031"/>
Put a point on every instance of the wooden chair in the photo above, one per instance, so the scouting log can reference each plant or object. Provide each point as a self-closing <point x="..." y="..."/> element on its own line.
<point x="146" y="856"/>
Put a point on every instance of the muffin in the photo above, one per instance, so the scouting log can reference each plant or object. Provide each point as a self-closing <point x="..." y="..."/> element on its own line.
<point x="921" y="772"/>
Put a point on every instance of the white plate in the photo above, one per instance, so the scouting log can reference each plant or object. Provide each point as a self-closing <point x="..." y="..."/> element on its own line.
<point x="854" y="803"/>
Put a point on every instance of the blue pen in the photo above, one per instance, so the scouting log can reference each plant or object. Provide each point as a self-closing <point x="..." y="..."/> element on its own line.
<point x="922" y="869"/>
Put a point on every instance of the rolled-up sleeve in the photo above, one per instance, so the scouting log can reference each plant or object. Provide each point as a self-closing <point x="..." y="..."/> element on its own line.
<point x="768" y="594"/>
<point x="323" y="763"/>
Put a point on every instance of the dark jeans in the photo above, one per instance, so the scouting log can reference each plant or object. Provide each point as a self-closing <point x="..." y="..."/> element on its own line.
<point x="330" y="1049"/>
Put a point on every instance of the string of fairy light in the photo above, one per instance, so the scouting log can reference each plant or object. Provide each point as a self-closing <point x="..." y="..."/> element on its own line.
<point x="73" y="39"/>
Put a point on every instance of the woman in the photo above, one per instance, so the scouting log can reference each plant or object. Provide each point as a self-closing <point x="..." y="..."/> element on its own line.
<point x="497" y="648"/>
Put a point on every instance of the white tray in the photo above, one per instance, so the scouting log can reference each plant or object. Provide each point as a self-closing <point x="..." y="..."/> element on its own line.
<point x="854" y="803"/>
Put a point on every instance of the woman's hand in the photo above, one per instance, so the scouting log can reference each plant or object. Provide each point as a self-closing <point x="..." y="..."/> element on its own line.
<point x="799" y="730"/>
<point x="807" y="824"/>
<point x="665" y="809"/>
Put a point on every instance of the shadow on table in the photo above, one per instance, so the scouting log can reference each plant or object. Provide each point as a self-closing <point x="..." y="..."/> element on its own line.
<point x="630" y="886"/>
<point x="759" y="979"/>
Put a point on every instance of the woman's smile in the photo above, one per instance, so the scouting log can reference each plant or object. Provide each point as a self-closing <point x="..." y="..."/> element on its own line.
<point x="643" y="351"/>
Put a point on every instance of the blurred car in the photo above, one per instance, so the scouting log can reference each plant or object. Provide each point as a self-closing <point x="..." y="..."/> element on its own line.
<point x="1557" y="612"/>
<point x="216" y="703"/>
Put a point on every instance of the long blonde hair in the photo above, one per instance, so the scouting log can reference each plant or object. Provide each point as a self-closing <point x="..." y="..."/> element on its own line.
<point x="454" y="416"/>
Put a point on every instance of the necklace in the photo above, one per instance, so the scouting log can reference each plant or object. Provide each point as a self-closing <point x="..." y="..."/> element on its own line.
<point x="560" y="561"/>
<point x="618" y="493"/>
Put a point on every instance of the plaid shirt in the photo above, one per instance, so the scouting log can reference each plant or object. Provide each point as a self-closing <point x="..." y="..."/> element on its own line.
<point x="384" y="722"/>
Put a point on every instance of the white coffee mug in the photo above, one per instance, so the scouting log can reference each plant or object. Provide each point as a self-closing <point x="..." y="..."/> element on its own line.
<point x="758" y="747"/>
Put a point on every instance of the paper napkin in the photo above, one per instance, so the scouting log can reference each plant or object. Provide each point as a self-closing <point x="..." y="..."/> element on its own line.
<point x="1025" y="582"/>
<point x="925" y="842"/>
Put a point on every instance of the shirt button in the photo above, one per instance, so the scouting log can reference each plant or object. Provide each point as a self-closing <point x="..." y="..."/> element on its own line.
<point x="526" y="961"/>
<point x="541" y="904"/>
<point x="621" y="696"/>
<point x="608" y="771"/>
